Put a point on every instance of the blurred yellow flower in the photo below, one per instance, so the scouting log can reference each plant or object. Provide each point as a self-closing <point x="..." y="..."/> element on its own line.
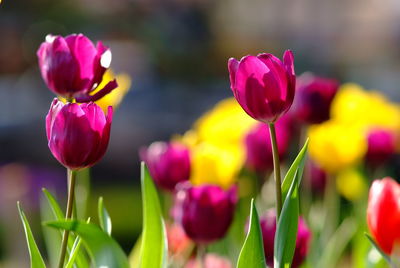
<point x="213" y="165"/>
<point x="115" y="97"/>
<point x="365" y="109"/>
<point x="351" y="184"/>
<point x="224" y="126"/>
<point x="335" y="146"/>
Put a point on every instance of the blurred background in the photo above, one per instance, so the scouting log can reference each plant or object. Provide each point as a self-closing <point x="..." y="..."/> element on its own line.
<point x="175" y="52"/>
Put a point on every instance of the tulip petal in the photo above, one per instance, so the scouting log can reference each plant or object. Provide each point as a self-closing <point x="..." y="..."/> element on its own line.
<point x="101" y="93"/>
<point x="233" y="65"/>
<point x="85" y="52"/>
<point x="57" y="65"/>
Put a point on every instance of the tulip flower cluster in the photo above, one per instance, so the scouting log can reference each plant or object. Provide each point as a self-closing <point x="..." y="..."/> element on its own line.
<point x="210" y="174"/>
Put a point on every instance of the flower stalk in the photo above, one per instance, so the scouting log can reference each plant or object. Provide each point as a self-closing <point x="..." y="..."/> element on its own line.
<point x="277" y="170"/>
<point x="70" y="204"/>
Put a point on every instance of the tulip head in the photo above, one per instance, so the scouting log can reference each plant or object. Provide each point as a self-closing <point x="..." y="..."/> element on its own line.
<point x="168" y="163"/>
<point x="313" y="99"/>
<point x="263" y="85"/>
<point x="206" y="211"/>
<point x="381" y="146"/>
<point x="72" y="66"/>
<point x="259" y="148"/>
<point x="78" y="135"/>
<point x="383" y="213"/>
<point x="268" y="229"/>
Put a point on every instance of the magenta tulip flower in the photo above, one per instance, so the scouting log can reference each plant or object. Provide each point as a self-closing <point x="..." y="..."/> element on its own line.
<point x="381" y="146"/>
<point x="205" y="211"/>
<point x="263" y="85"/>
<point x="72" y="67"/>
<point x="168" y="163"/>
<point x="268" y="229"/>
<point x="78" y="135"/>
<point x="259" y="148"/>
<point x="313" y="99"/>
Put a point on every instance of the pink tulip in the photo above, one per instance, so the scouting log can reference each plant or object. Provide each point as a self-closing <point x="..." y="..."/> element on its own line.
<point x="168" y="163"/>
<point x="205" y="211"/>
<point x="263" y="85"/>
<point x="78" y="135"/>
<point x="381" y="146"/>
<point x="72" y="67"/>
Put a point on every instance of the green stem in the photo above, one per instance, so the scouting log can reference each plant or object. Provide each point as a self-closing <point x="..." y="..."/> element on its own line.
<point x="70" y="204"/>
<point x="201" y="255"/>
<point x="277" y="171"/>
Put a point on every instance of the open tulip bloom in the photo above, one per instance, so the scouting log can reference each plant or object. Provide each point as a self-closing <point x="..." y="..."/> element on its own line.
<point x="73" y="67"/>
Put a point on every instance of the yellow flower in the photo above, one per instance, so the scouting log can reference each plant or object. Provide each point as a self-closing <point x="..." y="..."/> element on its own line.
<point x="351" y="184"/>
<point x="213" y="165"/>
<point x="224" y="126"/>
<point x="365" y="109"/>
<point x="115" y="97"/>
<point x="335" y="146"/>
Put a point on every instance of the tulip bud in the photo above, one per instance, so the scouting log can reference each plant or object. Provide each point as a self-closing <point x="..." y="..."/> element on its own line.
<point x="263" y="85"/>
<point x="77" y="135"/>
<point x="259" y="148"/>
<point x="313" y="99"/>
<point x="383" y="213"/>
<point x="72" y="67"/>
<point x="268" y="229"/>
<point x="205" y="212"/>
<point x="168" y="163"/>
<point x="381" y="146"/>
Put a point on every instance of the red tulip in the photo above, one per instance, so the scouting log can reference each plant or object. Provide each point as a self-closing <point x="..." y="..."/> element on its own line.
<point x="313" y="99"/>
<point x="383" y="213"/>
<point x="263" y="85"/>
<point x="168" y="163"/>
<point x="72" y="67"/>
<point x="205" y="212"/>
<point x="78" y="135"/>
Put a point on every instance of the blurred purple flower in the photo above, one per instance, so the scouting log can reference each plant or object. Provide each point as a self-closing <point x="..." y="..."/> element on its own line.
<point x="205" y="211"/>
<point x="263" y="85"/>
<point x="168" y="163"/>
<point x="259" y="148"/>
<point x="268" y="228"/>
<point x="381" y="146"/>
<point x="72" y="67"/>
<point x="313" y="99"/>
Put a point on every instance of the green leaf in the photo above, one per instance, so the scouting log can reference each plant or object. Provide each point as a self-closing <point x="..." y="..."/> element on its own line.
<point x="297" y="165"/>
<point x="104" y="217"/>
<point x="286" y="231"/>
<point x="36" y="257"/>
<point x="81" y="258"/>
<point x="252" y="252"/>
<point x="104" y="250"/>
<point x="55" y="207"/>
<point x="386" y="257"/>
<point x="153" y="253"/>
<point x="74" y="252"/>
